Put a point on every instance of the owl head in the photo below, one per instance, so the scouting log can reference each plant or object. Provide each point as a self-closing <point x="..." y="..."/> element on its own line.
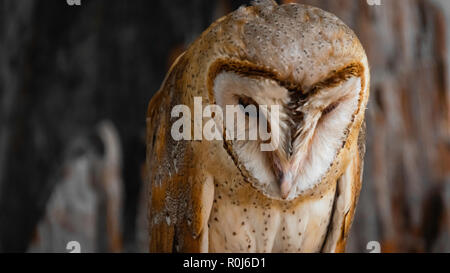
<point x="305" y="61"/>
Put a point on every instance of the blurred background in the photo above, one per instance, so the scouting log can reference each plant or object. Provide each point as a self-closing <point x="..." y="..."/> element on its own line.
<point x="75" y="82"/>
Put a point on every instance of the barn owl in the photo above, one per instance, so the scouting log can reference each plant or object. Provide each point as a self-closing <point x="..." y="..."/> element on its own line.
<point x="229" y="195"/>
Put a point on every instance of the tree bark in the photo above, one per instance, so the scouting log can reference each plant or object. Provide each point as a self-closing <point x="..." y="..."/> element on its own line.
<point x="63" y="70"/>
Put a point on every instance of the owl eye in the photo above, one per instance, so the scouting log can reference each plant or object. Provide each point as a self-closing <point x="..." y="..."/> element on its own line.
<point x="245" y="102"/>
<point x="330" y="108"/>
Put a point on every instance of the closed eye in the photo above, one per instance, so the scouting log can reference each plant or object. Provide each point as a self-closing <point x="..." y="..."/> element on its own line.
<point x="247" y="101"/>
<point x="330" y="108"/>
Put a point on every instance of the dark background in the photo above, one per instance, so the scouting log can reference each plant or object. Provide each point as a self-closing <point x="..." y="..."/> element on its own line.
<point x="66" y="71"/>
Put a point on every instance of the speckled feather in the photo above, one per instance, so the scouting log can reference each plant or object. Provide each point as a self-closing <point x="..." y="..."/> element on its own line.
<point x="201" y="199"/>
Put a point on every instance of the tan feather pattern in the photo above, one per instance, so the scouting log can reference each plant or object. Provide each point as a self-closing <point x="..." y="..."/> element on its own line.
<point x="201" y="196"/>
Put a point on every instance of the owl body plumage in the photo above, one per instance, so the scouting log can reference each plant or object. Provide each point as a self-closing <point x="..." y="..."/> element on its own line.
<point x="244" y="221"/>
<point x="223" y="196"/>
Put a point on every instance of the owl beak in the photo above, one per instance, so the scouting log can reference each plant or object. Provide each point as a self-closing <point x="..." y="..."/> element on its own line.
<point x="285" y="187"/>
<point x="283" y="175"/>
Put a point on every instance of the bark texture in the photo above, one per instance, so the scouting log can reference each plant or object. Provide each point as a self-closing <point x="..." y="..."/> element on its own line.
<point x="63" y="70"/>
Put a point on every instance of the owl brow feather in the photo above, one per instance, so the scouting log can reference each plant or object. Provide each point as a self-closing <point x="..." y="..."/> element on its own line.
<point x="336" y="77"/>
<point x="300" y="94"/>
